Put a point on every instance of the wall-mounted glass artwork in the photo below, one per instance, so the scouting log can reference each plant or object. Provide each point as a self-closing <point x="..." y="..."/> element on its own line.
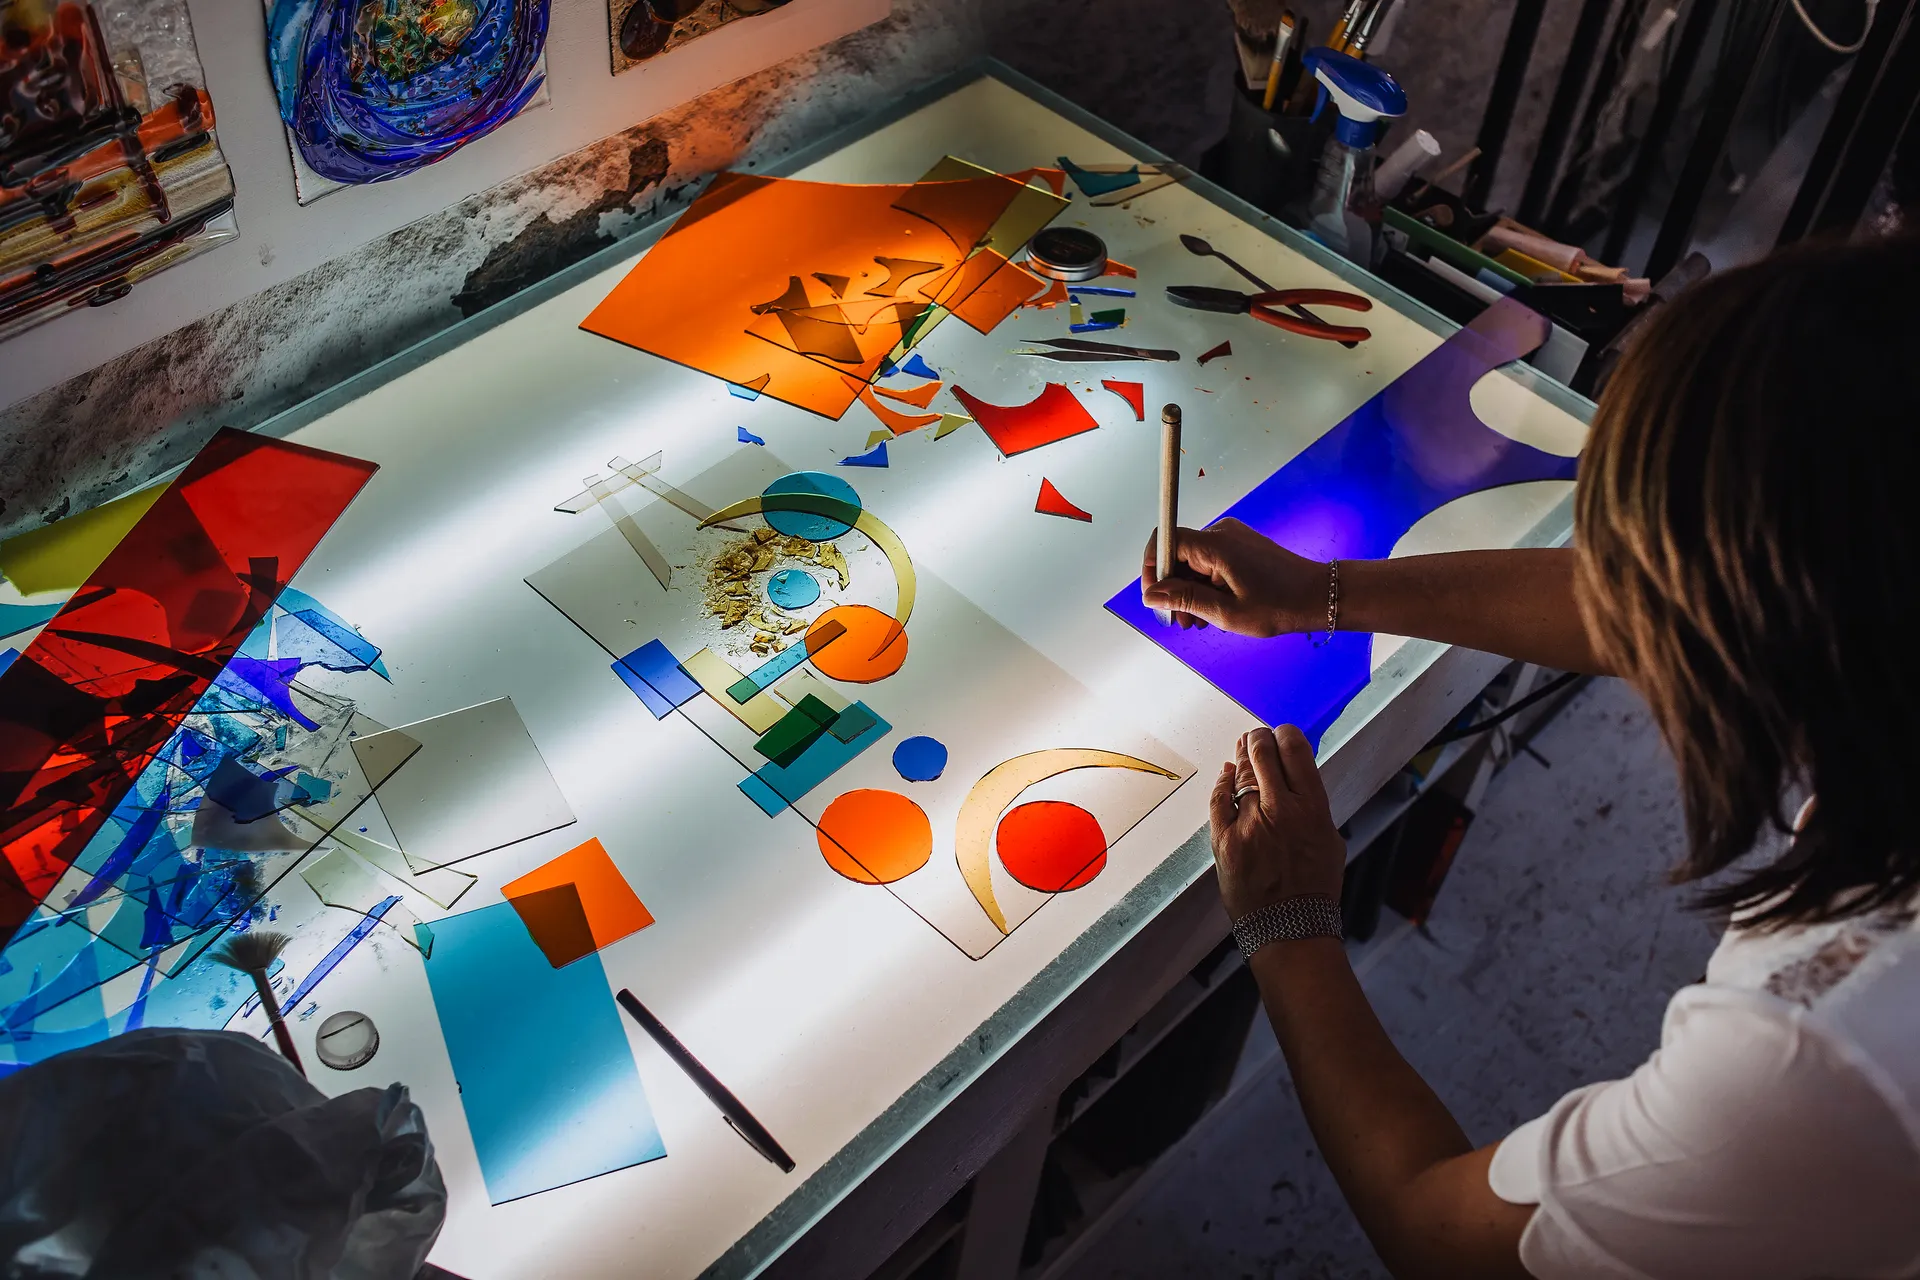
<point x="109" y="168"/>
<point x="373" y="89"/>
<point x="642" y="29"/>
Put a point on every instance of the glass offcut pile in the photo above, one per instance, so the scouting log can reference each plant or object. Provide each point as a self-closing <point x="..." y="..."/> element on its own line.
<point x="809" y="291"/>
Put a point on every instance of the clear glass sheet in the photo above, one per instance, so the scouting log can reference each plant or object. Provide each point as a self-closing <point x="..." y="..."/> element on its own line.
<point x="1017" y="727"/>
<point x="477" y="783"/>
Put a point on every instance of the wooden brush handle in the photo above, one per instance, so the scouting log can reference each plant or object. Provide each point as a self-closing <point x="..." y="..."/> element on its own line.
<point x="281" y="1036"/>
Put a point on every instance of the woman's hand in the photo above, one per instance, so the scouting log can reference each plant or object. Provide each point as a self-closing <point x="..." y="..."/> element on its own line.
<point x="1238" y="580"/>
<point x="1277" y="840"/>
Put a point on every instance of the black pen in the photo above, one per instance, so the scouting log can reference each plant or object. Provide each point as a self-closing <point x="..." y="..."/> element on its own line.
<point x="722" y="1097"/>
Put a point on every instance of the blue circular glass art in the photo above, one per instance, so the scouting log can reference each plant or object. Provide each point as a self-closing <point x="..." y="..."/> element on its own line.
<point x="805" y="524"/>
<point x="793" y="588"/>
<point x="920" y="759"/>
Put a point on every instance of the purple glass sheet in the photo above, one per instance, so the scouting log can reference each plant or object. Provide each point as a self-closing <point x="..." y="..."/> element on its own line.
<point x="1351" y="495"/>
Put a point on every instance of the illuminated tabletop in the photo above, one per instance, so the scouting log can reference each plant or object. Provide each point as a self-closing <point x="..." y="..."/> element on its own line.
<point x="843" y="1014"/>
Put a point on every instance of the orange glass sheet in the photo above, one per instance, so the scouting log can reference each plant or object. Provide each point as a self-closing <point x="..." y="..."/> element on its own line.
<point x="707" y="295"/>
<point x="577" y="904"/>
<point x="875" y="837"/>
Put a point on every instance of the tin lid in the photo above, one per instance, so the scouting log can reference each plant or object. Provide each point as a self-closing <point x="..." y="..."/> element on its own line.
<point x="1067" y="253"/>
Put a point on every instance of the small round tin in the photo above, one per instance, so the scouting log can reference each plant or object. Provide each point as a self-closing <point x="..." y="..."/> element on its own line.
<point x="1067" y="253"/>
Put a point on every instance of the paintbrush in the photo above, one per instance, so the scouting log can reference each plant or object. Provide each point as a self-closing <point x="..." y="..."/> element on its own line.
<point x="253" y="953"/>
<point x="1256" y="25"/>
<point x="1282" y="44"/>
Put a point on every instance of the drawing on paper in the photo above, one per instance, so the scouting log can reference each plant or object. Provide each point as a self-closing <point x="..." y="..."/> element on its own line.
<point x="109" y="167"/>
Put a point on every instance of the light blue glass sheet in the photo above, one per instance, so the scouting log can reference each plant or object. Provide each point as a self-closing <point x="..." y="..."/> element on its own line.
<point x="547" y="1079"/>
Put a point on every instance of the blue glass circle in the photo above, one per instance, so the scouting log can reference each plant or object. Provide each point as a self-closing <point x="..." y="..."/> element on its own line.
<point x="920" y="759"/>
<point x="805" y="524"/>
<point x="793" y="588"/>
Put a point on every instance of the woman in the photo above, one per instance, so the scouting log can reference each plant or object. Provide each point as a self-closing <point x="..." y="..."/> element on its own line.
<point x="1745" y="527"/>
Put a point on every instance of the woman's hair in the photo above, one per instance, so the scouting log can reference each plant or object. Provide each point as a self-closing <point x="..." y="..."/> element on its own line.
<point x="1748" y="523"/>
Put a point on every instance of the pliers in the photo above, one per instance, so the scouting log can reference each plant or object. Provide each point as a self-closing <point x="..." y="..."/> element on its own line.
<point x="1268" y="306"/>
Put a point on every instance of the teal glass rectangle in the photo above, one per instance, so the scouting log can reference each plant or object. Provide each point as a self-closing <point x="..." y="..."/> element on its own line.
<point x="774" y="787"/>
<point x="546" y="1076"/>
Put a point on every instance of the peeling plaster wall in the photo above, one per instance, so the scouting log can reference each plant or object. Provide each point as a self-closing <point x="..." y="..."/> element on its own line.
<point x="84" y="440"/>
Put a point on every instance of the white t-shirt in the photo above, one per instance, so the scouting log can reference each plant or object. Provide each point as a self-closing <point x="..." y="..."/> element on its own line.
<point x="1775" y="1135"/>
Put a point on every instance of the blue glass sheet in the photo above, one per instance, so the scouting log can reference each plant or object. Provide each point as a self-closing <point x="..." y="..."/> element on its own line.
<point x="1351" y="495"/>
<point x="774" y="787"/>
<point x="654" y="675"/>
<point x="547" y="1079"/>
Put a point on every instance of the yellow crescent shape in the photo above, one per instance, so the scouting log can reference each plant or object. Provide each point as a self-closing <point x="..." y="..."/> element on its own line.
<point x="820" y="504"/>
<point x="1002" y="785"/>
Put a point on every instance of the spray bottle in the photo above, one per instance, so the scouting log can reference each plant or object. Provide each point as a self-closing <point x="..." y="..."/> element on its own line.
<point x="1344" y="213"/>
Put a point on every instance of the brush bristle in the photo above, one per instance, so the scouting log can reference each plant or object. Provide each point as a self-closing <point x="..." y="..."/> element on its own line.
<point x="1257" y="21"/>
<point x="253" y="951"/>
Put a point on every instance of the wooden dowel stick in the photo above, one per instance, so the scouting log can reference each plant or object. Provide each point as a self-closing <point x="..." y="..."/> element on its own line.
<point x="1169" y="498"/>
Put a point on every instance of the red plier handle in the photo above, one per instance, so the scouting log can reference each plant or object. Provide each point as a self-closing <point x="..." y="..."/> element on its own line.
<point x="1297" y="319"/>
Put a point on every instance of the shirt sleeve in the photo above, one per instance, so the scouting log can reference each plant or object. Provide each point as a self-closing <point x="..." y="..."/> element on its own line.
<point x="1749" y="1146"/>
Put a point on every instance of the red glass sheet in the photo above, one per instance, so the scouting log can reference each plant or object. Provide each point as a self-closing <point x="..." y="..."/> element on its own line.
<point x="700" y="297"/>
<point x="1052" y="502"/>
<point x="1054" y="414"/>
<point x="1134" y="393"/>
<point x="106" y="683"/>
<point x="1224" y="349"/>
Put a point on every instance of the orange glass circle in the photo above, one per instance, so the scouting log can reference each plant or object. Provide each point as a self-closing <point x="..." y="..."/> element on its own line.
<point x="865" y="653"/>
<point x="1051" y="845"/>
<point x="875" y="837"/>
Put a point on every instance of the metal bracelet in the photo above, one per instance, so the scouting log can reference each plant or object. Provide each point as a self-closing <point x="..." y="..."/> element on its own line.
<point x="1310" y="915"/>
<point x="1333" y="604"/>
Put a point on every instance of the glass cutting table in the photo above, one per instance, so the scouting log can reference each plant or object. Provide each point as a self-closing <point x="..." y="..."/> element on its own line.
<point x="842" y="1021"/>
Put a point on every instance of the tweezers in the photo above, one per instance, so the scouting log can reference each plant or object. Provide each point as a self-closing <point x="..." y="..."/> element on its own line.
<point x="1088" y="349"/>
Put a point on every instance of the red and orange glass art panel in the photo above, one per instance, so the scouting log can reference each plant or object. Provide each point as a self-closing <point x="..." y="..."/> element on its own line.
<point x="109" y="679"/>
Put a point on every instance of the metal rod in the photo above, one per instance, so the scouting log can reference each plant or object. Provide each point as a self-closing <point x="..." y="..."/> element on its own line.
<point x="1751" y="27"/>
<point x="1508" y="79"/>
<point x="1666" y="108"/>
<point x="1855" y="136"/>
<point x="1606" y="82"/>
<point x="1574" y="74"/>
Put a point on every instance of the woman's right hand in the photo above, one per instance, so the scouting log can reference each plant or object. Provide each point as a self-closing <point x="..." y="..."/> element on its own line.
<point x="1237" y="580"/>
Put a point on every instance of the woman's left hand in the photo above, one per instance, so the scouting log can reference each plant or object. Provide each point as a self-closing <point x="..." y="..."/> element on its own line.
<point x="1276" y="840"/>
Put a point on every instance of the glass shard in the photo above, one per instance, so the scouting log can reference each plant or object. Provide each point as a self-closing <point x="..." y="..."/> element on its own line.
<point x="914" y="364"/>
<point x="1053" y="503"/>
<point x="1352" y="494"/>
<point x="751" y="388"/>
<point x="747" y="437"/>
<point x="874" y="457"/>
<point x="338" y="880"/>
<point x="897" y="423"/>
<point x="899" y="271"/>
<point x="1095" y="183"/>
<point x="950" y="423"/>
<point x="576" y="904"/>
<point x="1055" y="414"/>
<point x="547" y="1079"/>
<point x="1134" y="393"/>
<point x="1214" y="353"/>
<point x="920" y="397"/>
